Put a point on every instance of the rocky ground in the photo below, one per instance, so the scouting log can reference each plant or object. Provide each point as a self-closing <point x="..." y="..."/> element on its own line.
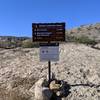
<point x="79" y="65"/>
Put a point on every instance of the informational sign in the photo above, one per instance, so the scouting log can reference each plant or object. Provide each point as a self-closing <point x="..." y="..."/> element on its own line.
<point x="49" y="52"/>
<point x="47" y="32"/>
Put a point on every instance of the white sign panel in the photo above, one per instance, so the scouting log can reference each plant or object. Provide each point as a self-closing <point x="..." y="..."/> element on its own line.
<point x="49" y="53"/>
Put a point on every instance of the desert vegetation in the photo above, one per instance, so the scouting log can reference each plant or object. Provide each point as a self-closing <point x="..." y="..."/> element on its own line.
<point x="82" y="39"/>
<point x="14" y="44"/>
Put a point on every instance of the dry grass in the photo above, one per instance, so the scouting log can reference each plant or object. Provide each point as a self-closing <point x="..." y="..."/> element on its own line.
<point x="18" y="90"/>
<point x="15" y="94"/>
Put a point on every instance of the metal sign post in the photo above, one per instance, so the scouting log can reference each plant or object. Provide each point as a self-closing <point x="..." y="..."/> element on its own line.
<point x="49" y="71"/>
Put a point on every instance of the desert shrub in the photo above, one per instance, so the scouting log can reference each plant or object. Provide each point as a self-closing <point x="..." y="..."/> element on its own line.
<point x="79" y="28"/>
<point x="14" y="94"/>
<point x="5" y="44"/>
<point x="13" y="44"/>
<point x="29" y="44"/>
<point x="8" y="44"/>
<point x="70" y="38"/>
<point x="80" y="39"/>
<point x="85" y="40"/>
<point x="25" y="82"/>
<point x="19" y="89"/>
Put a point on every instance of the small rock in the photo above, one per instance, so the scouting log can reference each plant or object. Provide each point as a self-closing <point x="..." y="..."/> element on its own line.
<point x="54" y="86"/>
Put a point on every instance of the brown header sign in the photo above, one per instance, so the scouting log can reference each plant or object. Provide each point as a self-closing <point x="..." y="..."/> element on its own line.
<point x="47" y="32"/>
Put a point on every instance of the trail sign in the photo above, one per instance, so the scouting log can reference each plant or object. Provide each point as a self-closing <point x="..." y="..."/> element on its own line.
<point x="49" y="52"/>
<point x="47" y="32"/>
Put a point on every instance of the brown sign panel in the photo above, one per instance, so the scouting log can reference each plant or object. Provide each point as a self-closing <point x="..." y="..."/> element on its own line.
<point x="47" y="32"/>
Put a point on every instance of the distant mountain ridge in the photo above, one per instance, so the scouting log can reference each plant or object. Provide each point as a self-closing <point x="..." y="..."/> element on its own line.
<point x="12" y="38"/>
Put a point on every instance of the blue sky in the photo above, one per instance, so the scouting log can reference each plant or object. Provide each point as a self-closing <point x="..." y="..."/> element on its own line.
<point x="17" y="16"/>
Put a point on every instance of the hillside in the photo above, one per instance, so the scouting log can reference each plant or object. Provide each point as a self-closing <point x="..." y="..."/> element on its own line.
<point x="91" y="32"/>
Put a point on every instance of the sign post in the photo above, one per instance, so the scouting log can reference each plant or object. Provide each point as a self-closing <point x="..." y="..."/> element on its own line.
<point x="49" y="71"/>
<point x="48" y="35"/>
<point x="49" y="52"/>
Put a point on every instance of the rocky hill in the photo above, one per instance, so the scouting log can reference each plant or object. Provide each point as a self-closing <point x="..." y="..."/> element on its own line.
<point x="90" y="32"/>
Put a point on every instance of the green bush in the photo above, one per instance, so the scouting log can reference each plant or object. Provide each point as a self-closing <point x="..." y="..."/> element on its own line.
<point x="5" y="44"/>
<point x="80" y="39"/>
<point x="85" y="40"/>
<point x="29" y="44"/>
<point x="25" y="44"/>
<point x="8" y="44"/>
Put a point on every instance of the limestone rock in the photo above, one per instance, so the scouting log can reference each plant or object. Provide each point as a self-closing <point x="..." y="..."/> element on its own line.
<point x="54" y="86"/>
<point x="42" y="92"/>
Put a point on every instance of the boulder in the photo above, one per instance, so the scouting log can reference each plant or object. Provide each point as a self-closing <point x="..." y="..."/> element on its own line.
<point x="41" y="91"/>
